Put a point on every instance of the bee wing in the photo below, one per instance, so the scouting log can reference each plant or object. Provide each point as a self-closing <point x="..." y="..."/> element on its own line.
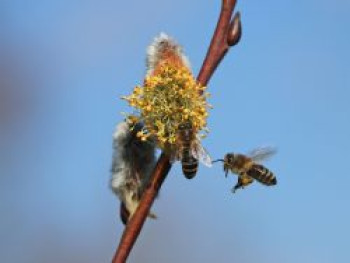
<point x="201" y="154"/>
<point x="262" y="153"/>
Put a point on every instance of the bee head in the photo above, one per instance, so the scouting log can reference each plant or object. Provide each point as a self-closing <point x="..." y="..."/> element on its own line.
<point x="185" y="126"/>
<point x="229" y="158"/>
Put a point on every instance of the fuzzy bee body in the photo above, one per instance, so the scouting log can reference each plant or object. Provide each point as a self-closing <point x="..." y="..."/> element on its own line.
<point x="248" y="169"/>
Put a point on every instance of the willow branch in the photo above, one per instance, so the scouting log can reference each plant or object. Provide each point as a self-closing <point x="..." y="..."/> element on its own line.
<point x="134" y="226"/>
<point x="227" y="33"/>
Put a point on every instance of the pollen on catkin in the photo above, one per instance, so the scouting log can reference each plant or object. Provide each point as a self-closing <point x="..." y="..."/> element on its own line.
<point x="167" y="99"/>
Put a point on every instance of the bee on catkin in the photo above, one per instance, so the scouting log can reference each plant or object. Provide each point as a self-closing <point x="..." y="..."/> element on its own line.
<point x="189" y="151"/>
<point x="132" y="165"/>
<point x="248" y="169"/>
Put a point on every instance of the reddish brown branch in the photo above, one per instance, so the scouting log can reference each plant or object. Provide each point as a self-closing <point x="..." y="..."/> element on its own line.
<point x="227" y="33"/>
<point x="135" y="224"/>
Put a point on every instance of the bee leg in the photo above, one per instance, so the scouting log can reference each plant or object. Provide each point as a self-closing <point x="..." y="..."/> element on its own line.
<point x="153" y="216"/>
<point x="226" y="171"/>
<point x="237" y="186"/>
<point x="234" y="189"/>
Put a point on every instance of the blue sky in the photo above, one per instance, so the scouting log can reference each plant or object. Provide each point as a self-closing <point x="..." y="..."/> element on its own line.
<point x="66" y="63"/>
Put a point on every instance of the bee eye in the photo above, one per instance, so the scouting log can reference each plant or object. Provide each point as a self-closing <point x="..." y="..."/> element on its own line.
<point x="231" y="157"/>
<point x="228" y="158"/>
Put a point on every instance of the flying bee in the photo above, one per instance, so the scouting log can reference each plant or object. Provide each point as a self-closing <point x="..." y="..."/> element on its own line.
<point x="189" y="150"/>
<point x="132" y="165"/>
<point x="247" y="167"/>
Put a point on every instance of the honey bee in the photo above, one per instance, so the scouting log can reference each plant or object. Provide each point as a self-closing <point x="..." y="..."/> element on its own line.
<point x="247" y="167"/>
<point x="189" y="150"/>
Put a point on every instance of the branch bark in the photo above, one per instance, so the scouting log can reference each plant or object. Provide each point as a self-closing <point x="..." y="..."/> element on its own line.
<point x="227" y="34"/>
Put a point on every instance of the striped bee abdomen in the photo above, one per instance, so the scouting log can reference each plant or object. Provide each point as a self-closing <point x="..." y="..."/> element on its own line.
<point x="189" y="164"/>
<point x="185" y="138"/>
<point x="262" y="174"/>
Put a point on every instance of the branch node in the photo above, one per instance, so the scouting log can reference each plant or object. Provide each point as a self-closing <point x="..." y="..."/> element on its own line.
<point x="235" y="30"/>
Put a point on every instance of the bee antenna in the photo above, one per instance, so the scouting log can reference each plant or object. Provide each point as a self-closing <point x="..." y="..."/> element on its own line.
<point x="218" y="160"/>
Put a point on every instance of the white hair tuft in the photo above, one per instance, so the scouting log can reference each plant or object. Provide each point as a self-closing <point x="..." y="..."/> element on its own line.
<point x="154" y="51"/>
<point x="132" y="165"/>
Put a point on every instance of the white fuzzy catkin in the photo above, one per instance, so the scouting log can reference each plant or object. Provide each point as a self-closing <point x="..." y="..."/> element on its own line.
<point x="132" y="164"/>
<point x="154" y="51"/>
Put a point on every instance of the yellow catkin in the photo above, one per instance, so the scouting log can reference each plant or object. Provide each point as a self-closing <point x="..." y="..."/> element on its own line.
<point x="166" y="100"/>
